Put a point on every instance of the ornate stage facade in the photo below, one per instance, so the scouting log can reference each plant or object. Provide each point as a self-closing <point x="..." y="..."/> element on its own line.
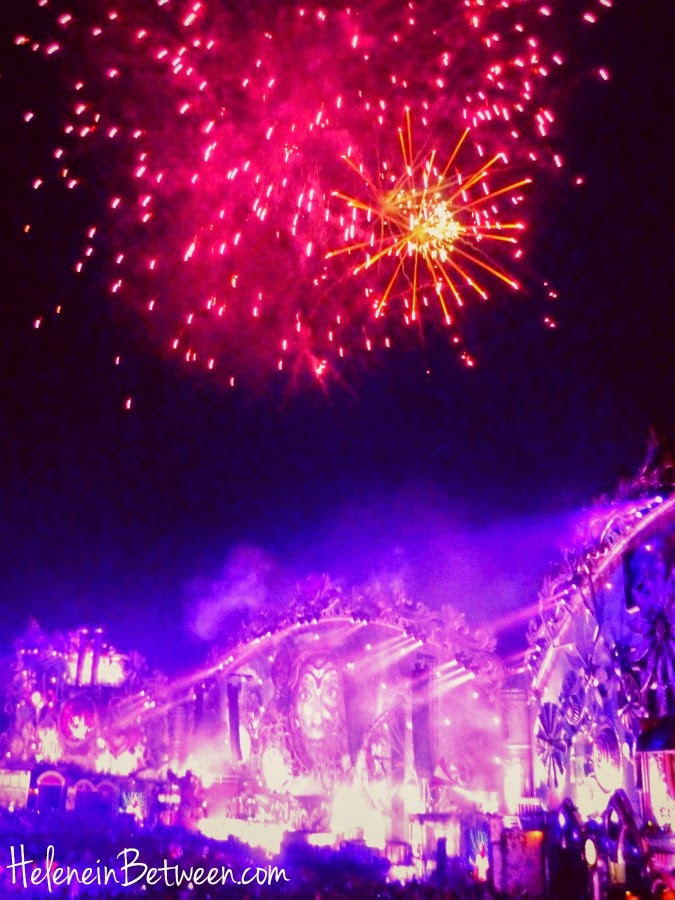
<point x="352" y="715"/>
<point x="602" y="669"/>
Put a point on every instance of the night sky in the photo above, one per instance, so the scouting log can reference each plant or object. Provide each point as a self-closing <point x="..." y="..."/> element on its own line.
<point x="466" y="482"/>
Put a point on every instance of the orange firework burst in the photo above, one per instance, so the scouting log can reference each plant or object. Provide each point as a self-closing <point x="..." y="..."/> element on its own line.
<point x="433" y="224"/>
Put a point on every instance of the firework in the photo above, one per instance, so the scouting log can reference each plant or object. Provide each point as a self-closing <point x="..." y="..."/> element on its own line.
<point x="430" y="223"/>
<point x="209" y="138"/>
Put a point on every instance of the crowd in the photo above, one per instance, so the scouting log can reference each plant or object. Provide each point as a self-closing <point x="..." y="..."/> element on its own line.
<point x="81" y="843"/>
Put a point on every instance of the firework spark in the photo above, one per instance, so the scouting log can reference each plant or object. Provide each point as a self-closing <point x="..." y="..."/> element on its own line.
<point x="429" y="223"/>
<point x="208" y="138"/>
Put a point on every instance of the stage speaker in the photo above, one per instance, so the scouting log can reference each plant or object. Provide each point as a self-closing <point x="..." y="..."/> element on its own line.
<point x="233" y="691"/>
<point x="397" y="734"/>
<point x="421" y="719"/>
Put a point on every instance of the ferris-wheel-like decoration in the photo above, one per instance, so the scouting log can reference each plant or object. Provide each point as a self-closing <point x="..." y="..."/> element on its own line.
<point x="551" y="741"/>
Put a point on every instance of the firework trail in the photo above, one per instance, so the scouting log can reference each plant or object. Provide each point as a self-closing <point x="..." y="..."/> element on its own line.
<point x="241" y="148"/>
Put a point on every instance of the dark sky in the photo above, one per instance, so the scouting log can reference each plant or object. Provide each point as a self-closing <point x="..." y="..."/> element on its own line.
<point x="467" y="480"/>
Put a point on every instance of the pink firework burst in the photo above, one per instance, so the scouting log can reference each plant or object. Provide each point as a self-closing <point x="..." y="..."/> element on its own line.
<point x="216" y="132"/>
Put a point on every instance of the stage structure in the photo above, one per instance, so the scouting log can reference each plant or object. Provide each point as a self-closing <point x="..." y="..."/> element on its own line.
<point x="351" y="714"/>
<point x="83" y="721"/>
<point x="602" y="668"/>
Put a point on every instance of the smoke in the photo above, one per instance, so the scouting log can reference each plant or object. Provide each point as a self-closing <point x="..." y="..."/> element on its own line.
<point x="249" y="579"/>
<point x="444" y="551"/>
<point x="437" y="551"/>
